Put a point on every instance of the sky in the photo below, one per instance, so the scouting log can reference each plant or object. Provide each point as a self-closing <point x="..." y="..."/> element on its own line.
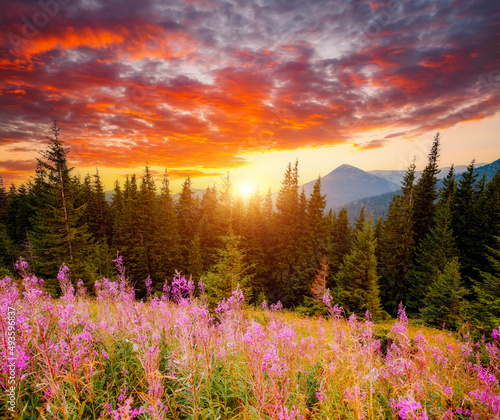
<point x="202" y="87"/>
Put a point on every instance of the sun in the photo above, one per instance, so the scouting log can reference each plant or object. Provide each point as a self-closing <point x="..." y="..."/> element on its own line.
<point x="246" y="189"/>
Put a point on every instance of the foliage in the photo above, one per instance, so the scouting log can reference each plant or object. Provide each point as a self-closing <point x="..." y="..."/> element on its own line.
<point x="229" y="272"/>
<point x="57" y="217"/>
<point x="443" y="302"/>
<point x="357" y="279"/>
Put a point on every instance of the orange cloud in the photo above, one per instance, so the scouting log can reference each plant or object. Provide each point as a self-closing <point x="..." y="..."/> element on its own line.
<point x="201" y="85"/>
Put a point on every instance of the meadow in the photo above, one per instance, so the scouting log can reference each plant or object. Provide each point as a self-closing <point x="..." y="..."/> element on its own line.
<point x="174" y="357"/>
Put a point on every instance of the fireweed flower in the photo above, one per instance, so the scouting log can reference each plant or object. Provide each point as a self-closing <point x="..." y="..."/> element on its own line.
<point x="277" y="306"/>
<point x="408" y="408"/>
<point x="64" y="344"/>
<point x="496" y="333"/>
<point x="149" y="284"/>
<point x="320" y="396"/>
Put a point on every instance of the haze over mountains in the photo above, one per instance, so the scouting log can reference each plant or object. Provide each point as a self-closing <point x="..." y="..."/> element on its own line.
<point x="347" y="183"/>
<point x="379" y="204"/>
<point x="354" y="188"/>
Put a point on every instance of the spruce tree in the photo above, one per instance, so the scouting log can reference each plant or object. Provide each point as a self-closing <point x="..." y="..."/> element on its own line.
<point x="487" y="289"/>
<point x="229" y="272"/>
<point x="130" y="243"/>
<point x="116" y="210"/>
<point x="187" y="216"/>
<point x="19" y="222"/>
<point x="195" y="259"/>
<point x="212" y="225"/>
<point x="225" y="209"/>
<point x="289" y="284"/>
<point x="491" y="210"/>
<point x="269" y="246"/>
<point x="449" y="186"/>
<point x="443" y="302"/>
<point x="397" y="247"/>
<point x="433" y="254"/>
<point x="97" y="218"/>
<point x="255" y="239"/>
<point x="316" y="223"/>
<point x="237" y="215"/>
<point x="147" y="204"/>
<point x="360" y="221"/>
<point x="339" y="237"/>
<point x="425" y="195"/>
<point x="167" y="252"/>
<point x="468" y="225"/>
<point x="6" y="257"/>
<point x="58" y="234"/>
<point x="357" y="287"/>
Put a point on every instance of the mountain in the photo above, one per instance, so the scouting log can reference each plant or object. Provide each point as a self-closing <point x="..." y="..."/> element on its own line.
<point x="348" y="183"/>
<point x="397" y="176"/>
<point x="488" y="170"/>
<point x="197" y="193"/>
<point x="108" y="195"/>
<point x="352" y="187"/>
<point x="378" y="204"/>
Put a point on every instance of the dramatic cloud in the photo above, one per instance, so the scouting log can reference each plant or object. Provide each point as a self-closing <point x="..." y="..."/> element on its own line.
<point x="201" y="83"/>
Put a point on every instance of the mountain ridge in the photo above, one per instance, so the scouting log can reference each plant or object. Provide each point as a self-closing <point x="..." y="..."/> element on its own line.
<point x="347" y="185"/>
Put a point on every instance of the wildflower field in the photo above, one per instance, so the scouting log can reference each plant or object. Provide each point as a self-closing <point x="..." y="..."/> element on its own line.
<point x="170" y="357"/>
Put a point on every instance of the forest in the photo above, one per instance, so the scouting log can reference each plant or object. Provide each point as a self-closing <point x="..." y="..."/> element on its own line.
<point x="437" y="251"/>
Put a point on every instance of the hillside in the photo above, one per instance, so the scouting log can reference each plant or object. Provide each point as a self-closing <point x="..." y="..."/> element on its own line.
<point x="378" y="204"/>
<point x="489" y="170"/>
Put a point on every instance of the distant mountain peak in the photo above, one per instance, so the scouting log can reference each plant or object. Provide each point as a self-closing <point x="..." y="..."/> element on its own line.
<point x="347" y="183"/>
<point x="346" y="167"/>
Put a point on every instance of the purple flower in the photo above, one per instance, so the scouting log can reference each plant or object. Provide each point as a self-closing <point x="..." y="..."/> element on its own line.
<point x="496" y="333"/>
<point x="149" y="284"/>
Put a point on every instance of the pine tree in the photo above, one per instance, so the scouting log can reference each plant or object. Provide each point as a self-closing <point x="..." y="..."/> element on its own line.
<point x="19" y="210"/>
<point x="342" y="235"/>
<point x="167" y="252"/>
<point x="212" y="225"/>
<point x="187" y="216"/>
<point x="396" y="246"/>
<point x="357" y="280"/>
<point x="97" y="218"/>
<point x="237" y="215"/>
<point x="434" y="253"/>
<point x="491" y="210"/>
<point x="225" y="210"/>
<point x="468" y="225"/>
<point x="229" y="272"/>
<point x="316" y="223"/>
<point x="256" y="240"/>
<point x="130" y="234"/>
<point x="58" y="234"/>
<point x="425" y="195"/>
<point x="104" y="226"/>
<point x="147" y="204"/>
<point x="195" y="260"/>
<point x="487" y="290"/>
<point x="6" y="257"/>
<point x="449" y="187"/>
<point x="360" y="221"/>
<point x="116" y="210"/>
<point x="443" y="303"/>
<point x="269" y="246"/>
<point x="290" y="286"/>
